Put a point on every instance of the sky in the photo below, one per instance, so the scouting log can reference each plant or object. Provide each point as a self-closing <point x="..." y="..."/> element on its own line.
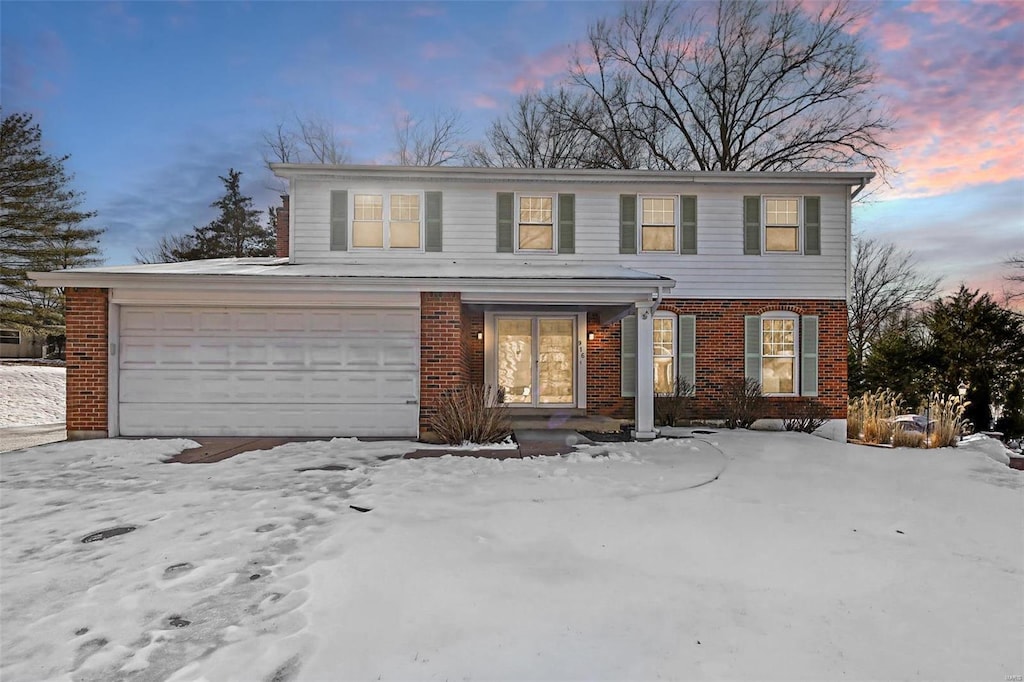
<point x="155" y="100"/>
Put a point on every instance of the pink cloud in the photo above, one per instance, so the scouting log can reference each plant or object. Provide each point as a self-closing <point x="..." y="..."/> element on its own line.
<point x="534" y="72"/>
<point x="485" y="102"/>
<point x="439" y="51"/>
<point x="893" y="36"/>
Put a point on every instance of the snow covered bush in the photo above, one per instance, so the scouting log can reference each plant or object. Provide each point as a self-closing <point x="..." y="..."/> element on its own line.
<point x="947" y="412"/>
<point x="474" y="414"/>
<point x="873" y="412"/>
<point x="742" y="403"/>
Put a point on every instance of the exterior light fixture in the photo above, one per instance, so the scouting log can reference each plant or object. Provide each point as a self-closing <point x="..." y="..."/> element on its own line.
<point x="962" y="390"/>
<point x="590" y="336"/>
<point x="479" y="336"/>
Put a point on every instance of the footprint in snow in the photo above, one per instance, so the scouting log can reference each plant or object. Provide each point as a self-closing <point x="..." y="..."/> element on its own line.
<point x="178" y="570"/>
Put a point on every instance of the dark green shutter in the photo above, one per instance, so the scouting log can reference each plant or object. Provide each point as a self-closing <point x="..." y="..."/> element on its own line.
<point x="339" y="220"/>
<point x="506" y="223"/>
<point x="688" y="350"/>
<point x="434" y="239"/>
<point x="627" y="356"/>
<point x="812" y="226"/>
<point x="627" y="223"/>
<point x="809" y="355"/>
<point x="752" y="226"/>
<point x="688" y="220"/>
<point x="566" y="223"/>
<point x="752" y="347"/>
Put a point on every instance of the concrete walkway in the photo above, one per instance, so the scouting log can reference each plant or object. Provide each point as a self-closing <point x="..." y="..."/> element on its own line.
<point x="20" y="437"/>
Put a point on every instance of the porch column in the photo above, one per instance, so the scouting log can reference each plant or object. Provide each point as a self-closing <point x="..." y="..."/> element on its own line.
<point x="645" y="372"/>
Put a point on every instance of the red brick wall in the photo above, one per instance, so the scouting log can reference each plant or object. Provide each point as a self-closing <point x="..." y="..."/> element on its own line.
<point x="443" y="365"/>
<point x="282" y="228"/>
<point x="87" y="353"/>
<point x="473" y="348"/>
<point x="720" y="355"/>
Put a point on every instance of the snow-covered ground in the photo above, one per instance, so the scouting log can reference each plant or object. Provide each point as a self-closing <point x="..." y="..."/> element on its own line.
<point x="31" y="394"/>
<point x="803" y="559"/>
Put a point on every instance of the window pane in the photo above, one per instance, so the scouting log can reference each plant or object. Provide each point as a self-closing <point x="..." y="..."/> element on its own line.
<point x="405" y="235"/>
<point x="405" y="207"/>
<point x="659" y="211"/>
<point x="658" y="239"/>
<point x="535" y="210"/>
<point x="781" y="212"/>
<point x="556" y="358"/>
<point x="367" y="234"/>
<point x="536" y="237"/>
<point x="368" y="207"/>
<point x="515" y="359"/>
<point x="664" y="375"/>
<point x="781" y="239"/>
<point x="777" y="375"/>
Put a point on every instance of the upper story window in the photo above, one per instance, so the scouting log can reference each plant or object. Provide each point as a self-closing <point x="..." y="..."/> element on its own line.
<point x="12" y="336"/>
<point x="779" y="343"/>
<point x="535" y="228"/>
<point x="387" y="220"/>
<point x="658" y="222"/>
<point x="782" y="225"/>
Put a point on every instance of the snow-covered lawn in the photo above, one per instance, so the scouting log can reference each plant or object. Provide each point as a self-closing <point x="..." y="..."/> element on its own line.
<point x="804" y="559"/>
<point x="31" y="395"/>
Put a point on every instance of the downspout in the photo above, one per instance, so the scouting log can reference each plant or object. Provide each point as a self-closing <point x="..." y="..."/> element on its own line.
<point x="863" y="184"/>
<point x="657" y="300"/>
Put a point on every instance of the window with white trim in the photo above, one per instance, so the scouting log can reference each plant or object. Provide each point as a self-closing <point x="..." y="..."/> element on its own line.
<point x="535" y="224"/>
<point x="664" y="354"/>
<point x="782" y="225"/>
<point x="387" y="220"/>
<point x="659" y="224"/>
<point x="780" y="339"/>
<point x="10" y="336"/>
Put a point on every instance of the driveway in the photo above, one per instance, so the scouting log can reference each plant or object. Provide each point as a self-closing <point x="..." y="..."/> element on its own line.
<point x="19" y="437"/>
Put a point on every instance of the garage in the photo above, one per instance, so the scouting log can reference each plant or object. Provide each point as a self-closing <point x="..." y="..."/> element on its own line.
<point x="273" y="371"/>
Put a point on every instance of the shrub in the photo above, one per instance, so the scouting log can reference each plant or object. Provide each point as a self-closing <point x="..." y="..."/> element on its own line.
<point x="475" y="413"/>
<point x="907" y="438"/>
<point x="806" y="417"/>
<point x="874" y="413"/>
<point x="742" y="403"/>
<point x="948" y="413"/>
<point x="672" y="409"/>
<point x="854" y="420"/>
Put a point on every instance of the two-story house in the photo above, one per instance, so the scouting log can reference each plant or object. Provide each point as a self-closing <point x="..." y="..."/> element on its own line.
<point x="574" y="291"/>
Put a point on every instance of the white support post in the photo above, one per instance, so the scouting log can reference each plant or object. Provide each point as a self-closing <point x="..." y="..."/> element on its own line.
<point x="645" y="372"/>
<point x="113" y="367"/>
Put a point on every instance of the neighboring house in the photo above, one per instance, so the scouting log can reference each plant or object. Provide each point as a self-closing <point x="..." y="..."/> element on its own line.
<point x="575" y="291"/>
<point x="20" y="344"/>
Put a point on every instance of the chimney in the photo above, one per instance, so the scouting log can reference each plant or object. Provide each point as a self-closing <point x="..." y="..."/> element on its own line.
<point x="282" y="227"/>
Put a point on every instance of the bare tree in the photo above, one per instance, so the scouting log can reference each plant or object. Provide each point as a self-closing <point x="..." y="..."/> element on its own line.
<point x="1015" y="278"/>
<point x="885" y="283"/>
<point x="168" y="249"/>
<point x="434" y="141"/>
<point x="302" y="140"/>
<point x="749" y="87"/>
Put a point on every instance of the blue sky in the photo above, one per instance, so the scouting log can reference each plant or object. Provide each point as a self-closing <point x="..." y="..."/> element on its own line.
<point x="154" y="100"/>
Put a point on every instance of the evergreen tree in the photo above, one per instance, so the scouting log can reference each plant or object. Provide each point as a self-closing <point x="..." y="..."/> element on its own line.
<point x="901" y="360"/>
<point x="975" y="340"/>
<point x="1011" y="422"/>
<point x="41" y="227"/>
<point x="235" y="233"/>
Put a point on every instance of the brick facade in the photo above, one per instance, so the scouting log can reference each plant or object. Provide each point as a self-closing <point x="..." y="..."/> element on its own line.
<point x="282" y="227"/>
<point x="443" y="361"/>
<point x="87" y="353"/>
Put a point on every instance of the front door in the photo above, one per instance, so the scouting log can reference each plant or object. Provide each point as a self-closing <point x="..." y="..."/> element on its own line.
<point x="536" y="360"/>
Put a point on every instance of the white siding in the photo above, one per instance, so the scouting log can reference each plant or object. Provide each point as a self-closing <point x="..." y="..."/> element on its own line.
<point x="718" y="270"/>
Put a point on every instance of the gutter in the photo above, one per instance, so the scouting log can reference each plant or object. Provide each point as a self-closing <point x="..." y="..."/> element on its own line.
<point x="860" y="187"/>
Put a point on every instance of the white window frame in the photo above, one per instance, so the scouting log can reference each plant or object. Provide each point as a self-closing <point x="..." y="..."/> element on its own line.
<point x="782" y="315"/>
<point x="640" y="222"/>
<point x="386" y="219"/>
<point x="799" y="225"/>
<point x="554" y="221"/>
<point x="675" y="351"/>
<point x="7" y="340"/>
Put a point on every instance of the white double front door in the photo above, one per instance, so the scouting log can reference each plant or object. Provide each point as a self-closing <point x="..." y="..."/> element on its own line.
<point x="536" y="359"/>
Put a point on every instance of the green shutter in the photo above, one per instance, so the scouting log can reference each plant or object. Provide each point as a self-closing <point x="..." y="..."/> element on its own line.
<point x="752" y="226"/>
<point x="688" y="220"/>
<point x="812" y="226"/>
<point x="433" y="239"/>
<point x="752" y="347"/>
<point x="627" y="223"/>
<point x="566" y="223"/>
<point x="809" y="355"/>
<point x="688" y="350"/>
<point x="506" y="223"/>
<point x="627" y="356"/>
<point x="339" y="220"/>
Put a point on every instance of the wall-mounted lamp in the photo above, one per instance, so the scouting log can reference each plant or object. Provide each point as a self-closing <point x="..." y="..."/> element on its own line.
<point x="590" y="336"/>
<point x="479" y="336"/>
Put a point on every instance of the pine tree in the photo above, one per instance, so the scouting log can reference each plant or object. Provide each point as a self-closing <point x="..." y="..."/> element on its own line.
<point x="41" y="227"/>
<point x="235" y="233"/>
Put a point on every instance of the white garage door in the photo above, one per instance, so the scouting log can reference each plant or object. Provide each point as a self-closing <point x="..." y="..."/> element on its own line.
<point x="275" y="372"/>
